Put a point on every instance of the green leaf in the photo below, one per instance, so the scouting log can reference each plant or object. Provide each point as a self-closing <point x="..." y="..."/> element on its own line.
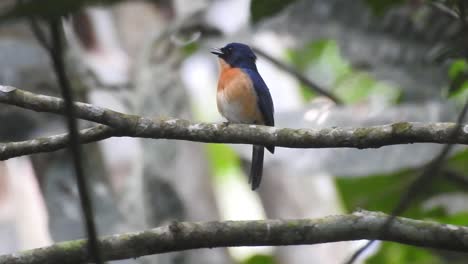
<point x="379" y="7"/>
<point x="260" y="259"/>
<point x="458" y="67"/>
<point x="261" y="9"/>
<point x="458" y="73"/>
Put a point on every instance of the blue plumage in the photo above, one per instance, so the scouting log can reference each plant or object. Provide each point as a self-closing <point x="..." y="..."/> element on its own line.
<point x="265" y="103"/>
<point x="241" y="87"/>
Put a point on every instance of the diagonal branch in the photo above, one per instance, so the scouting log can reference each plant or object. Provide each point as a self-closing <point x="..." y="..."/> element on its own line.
<point x="56" y="54"/>
<point x="420" y="184"/>
<point x="51" y="104"/>
<point x="194" y="235"/>
<point x="301" y="77"/>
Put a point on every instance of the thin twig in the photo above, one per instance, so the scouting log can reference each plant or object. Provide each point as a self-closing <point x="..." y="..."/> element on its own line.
<point x="462" y="10"/>
<point x="57" y="57"/>
<point x="444" y="9"/>
<point x="39" y="34"/>
<point x="456" y="178"/>
<point x="303" y="79"/>
<point x="427" y="176"/>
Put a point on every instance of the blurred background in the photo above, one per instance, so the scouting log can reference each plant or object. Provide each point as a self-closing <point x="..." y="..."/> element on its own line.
<point x="386" y="61"/>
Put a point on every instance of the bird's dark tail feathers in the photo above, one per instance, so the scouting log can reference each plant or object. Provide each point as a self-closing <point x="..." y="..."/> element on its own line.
<point x="256" y="170"/>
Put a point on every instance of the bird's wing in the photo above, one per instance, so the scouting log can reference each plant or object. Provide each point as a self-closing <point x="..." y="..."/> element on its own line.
<point x="264" y="101"/>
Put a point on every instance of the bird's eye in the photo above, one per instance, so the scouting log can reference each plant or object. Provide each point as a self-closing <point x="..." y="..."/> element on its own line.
<point x="229" y="50"/>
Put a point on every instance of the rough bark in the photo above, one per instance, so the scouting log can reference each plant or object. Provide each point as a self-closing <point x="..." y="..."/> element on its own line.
<point x="195" y="235"/>
<point x="136" y="126"/>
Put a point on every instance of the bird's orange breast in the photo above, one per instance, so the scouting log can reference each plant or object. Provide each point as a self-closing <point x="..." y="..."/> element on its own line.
<point x="236" y="97"/>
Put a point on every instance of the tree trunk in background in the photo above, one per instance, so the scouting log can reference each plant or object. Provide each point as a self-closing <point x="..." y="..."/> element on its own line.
<point x="176" y="173"/>
<point x="23" y="63"/>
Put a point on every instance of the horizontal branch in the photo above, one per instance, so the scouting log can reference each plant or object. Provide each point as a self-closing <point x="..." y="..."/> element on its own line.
<point x="136" y="126"/>
<point x="189" y="235"/>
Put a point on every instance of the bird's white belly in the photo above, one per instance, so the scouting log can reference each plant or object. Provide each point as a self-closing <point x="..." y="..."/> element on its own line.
<point x="230" y="109"/>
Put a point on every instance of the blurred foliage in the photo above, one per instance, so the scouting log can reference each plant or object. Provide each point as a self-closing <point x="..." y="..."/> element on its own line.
<point x="458" y="67"/>
<point x="383" y="192"/>
<point x="51" y="8"/>
<point x="459" y="162"/>
<point x="261" y="9"/>
<point x="223" y="159"/>
<point x="190" y="48"/>
<point x="399" y="253"/>
<point x="260" y="259"/>
<point x="458" y="73"/>
<point x="322" y="61"/>
<point x="380" y="6"/>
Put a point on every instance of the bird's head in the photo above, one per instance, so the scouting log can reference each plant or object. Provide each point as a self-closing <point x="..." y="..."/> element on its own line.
<point x="237" y="55"/>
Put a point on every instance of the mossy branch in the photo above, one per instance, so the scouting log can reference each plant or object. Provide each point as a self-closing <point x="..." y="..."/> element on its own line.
<point x="194" y="235"/>
<point x="119" y="125"/>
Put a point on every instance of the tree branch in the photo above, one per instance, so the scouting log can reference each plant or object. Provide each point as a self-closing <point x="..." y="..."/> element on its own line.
<point x="136" y="126"/>
<point x="56" y="54"/>
<point x="53" y="143"/>
<point x="418" y="185"/>
<point x="194" y="235"/>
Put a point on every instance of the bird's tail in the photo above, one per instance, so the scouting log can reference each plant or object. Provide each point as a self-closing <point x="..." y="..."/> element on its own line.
<point x="256" y="170"/>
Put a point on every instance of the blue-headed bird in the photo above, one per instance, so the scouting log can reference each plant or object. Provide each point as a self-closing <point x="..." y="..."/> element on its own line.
<point x="243" y="97"/>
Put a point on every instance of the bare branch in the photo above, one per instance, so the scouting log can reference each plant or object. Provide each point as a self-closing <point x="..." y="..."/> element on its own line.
<point x="55" y="50"/>
<point x="194" y="235"/>
<point x="53" y="143"/>
<point x="368" y="137"/>
<point x="136" y="126"/>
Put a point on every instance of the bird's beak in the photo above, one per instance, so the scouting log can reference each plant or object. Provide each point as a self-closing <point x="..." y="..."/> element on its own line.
<point x="216" y="51"/>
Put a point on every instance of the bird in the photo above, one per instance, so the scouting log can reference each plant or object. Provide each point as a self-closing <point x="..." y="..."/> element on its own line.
<point x="243" y="97"/>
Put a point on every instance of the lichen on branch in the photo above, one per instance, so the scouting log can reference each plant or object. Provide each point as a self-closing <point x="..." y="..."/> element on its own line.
<point x="194" y="235"/>
<point x="120" y="124"/>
